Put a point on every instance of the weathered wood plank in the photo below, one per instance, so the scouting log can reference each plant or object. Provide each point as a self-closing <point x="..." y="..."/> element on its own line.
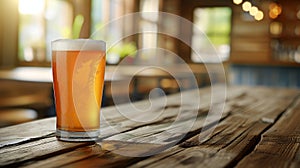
<point x="104" y="155"/>
<point x="41" y="128"/>
<point x="115" y="156"/>
<point x="69" y="157"/>
<point x="142" y="132"/>
<point x="16" y="155"/>
<point x="27" y="132"/>
<point x="234" y="137"/>
<point x="192" y="154"/>
<point x="141" y="138"/>
<point x="248" y="114"/>
<point x="119" y="152"/>
<point x="174" y="109"/>
<point x="280" y="145"/>
<point x="170" y="113"/>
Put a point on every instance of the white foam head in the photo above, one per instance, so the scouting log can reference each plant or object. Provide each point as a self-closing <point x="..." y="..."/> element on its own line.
<point x="78" y="44"/>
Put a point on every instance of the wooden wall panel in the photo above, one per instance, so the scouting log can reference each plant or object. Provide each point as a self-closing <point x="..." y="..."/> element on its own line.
<point x="9" y="33"/>
<point x="250" y="39"/>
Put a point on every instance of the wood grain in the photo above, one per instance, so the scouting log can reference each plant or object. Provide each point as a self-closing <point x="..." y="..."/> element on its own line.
<point x="234" y="137"/>
<point x="164" y="141"/>
<point x="143" y="134"/>
<point x="16" y="155"/>
<point x="26" y="132"/>
<point x="280" y="145"/>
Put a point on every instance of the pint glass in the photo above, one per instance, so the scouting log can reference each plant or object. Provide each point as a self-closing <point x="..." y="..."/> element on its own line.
<point x="78" y="67"/>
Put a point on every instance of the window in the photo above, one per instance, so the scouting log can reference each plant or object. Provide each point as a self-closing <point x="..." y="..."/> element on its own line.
<point x="106" y="26"/>
<point x="215" y="26"/>
<point x="148" y="22"/>
<point x="103" y="13"/>
<point x="40" y="22"/>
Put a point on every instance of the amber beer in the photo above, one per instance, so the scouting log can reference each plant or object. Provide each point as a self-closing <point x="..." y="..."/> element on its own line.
<point x="78" y="76"/>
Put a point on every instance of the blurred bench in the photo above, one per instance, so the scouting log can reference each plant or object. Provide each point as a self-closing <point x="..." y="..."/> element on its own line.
<point x="23" y="101"/>
<point x="12" y="116"/>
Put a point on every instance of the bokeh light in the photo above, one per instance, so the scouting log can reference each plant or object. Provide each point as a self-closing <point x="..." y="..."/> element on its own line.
<point x="237" y="2"/>
<point x="276" y="28"/>
<point x="274" y="10"/>
<point x="253" y="10"/>
<point x="246" y="6"/>
<point x="259" y="16"/>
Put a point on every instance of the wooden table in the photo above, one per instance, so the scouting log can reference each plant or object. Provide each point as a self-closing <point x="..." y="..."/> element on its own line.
<point x="258" y="128"/>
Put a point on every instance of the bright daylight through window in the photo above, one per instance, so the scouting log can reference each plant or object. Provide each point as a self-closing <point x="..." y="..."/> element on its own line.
<point x="215" y="26"/>
<point x="40" y="22"/>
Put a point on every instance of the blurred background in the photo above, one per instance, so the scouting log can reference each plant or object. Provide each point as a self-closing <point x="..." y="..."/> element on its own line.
<point x="258" y="42"/>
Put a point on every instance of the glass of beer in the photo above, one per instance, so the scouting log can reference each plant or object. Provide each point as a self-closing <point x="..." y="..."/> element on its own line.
<point x="78" y="67"/>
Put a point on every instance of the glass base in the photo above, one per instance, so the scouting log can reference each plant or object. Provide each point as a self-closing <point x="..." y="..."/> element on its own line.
<point x="77" y="136"/>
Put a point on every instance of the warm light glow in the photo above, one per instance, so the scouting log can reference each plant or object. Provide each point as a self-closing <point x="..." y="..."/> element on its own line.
<point x="298" y="14"/>
<point x="297" y="30"/>
<point x="167" y="83"/>
<point x="274" y="10"/>
<point x="276" y="28"/>
<point x="272" y="15"/>
<point x="253" y="10"/>
<point x="31" y="7"/>
<point x="237" y="2"/>
<point x="259" y="15"/>
<point x="246" y="6"/>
